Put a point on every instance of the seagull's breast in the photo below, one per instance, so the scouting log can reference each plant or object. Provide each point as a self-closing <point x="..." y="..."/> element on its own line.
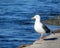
<point x="38" y="28"/>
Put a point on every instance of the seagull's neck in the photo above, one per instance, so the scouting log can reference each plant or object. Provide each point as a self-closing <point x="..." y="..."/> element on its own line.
<point x="38" y="23"/>
<point x="37" y="20"/>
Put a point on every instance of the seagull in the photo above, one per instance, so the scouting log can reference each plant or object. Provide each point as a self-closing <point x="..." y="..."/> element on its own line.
<point x="40" y="28"/>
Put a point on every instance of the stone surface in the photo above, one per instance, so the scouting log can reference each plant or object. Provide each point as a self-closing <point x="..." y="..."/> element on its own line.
<point x="49" y="43"/>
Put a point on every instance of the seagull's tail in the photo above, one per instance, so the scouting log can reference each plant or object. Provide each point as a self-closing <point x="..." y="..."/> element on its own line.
<point x="52" y="32"/>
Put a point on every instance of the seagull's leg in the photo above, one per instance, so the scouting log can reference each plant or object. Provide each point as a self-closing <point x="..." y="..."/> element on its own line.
<point x="41" y="38"/>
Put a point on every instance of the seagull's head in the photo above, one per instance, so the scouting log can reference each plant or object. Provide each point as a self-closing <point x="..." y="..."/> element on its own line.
<point x="36" y="17"/>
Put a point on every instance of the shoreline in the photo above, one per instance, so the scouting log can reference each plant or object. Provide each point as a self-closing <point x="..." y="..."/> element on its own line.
<point x="47" y="43"/>
<point x="52" y="21"/>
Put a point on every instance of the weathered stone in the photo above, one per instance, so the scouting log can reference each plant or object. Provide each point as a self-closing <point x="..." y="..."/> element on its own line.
<point x="47" y="43"/>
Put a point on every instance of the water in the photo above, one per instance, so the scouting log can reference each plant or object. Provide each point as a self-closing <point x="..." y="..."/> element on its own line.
<point x="16" y="26"/>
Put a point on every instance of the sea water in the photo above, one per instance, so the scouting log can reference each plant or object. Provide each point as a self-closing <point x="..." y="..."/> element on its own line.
<point x="16" y="25"/>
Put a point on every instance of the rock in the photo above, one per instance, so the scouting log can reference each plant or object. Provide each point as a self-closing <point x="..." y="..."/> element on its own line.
<point x="50" y="43"/>
<point x="53" y="21"/>
<point x="57" y="31"/>
<point x="59" y="17"/>
<point x="22" y="46"/>
<point x="47" y="41"/>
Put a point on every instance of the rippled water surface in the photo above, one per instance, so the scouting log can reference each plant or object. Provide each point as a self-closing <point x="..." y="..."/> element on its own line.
<point x="16" y="25"/>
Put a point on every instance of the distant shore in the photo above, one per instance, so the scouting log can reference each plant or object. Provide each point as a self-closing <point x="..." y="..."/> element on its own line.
<point x="53" y="21"/>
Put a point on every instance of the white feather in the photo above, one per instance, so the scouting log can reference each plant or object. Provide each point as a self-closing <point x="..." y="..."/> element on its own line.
<point x="38" y="25"/>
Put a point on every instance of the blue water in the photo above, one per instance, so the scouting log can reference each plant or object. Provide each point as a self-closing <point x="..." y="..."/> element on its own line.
<point x="16" y="25"/>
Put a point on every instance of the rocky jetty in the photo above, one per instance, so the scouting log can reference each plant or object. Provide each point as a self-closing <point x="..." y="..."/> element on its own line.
<point x="53" y="21"/>
<point x="52" y="42"/>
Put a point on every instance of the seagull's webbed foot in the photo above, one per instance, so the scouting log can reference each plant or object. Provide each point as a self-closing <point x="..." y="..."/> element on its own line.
<point x="41" y="39"/>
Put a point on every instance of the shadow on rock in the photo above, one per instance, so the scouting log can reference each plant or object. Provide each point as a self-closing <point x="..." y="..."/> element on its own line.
<point x="51" y="39"/>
